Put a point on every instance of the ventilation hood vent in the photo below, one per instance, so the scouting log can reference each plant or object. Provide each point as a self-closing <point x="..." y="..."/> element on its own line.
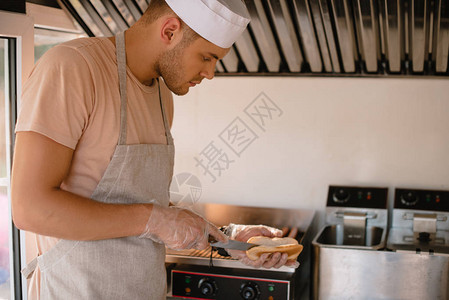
<point x="313" y="37"/>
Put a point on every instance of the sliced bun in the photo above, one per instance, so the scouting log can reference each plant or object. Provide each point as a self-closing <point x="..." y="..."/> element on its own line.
<point x="272" y="245"/>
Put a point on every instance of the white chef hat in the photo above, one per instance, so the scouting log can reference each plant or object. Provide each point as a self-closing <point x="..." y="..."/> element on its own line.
<point x="221" y="22"/>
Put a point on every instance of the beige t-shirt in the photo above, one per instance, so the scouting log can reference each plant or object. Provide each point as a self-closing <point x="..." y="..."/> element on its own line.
<point x="72" y="97"/>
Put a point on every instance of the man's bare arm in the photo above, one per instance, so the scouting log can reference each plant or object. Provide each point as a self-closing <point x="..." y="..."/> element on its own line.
<point x="39" y="205"/>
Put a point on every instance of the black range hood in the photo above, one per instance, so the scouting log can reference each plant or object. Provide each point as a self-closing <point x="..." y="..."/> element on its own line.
<point x="313" y="37"/>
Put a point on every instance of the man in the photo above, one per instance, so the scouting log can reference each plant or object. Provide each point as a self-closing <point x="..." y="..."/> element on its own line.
<point x="94" y="155"/>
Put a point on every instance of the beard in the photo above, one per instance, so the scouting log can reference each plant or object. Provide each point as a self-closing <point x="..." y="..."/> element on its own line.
<point x="169" y="67"/>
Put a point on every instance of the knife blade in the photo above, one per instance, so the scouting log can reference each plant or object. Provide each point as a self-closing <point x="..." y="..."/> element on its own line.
<point x="231" y="244"/>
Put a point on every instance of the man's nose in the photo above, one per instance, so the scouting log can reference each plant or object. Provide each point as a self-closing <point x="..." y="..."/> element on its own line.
<point x="208" y="73"/>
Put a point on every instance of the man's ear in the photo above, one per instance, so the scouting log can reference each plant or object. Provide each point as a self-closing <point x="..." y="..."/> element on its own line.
<point x="171" y="31"/>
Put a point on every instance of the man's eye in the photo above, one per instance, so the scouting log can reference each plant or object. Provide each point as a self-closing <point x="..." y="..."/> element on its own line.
<point x="206" y="58"/>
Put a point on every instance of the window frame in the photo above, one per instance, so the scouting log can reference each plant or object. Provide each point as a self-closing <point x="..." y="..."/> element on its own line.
<point x="19" y="30"/>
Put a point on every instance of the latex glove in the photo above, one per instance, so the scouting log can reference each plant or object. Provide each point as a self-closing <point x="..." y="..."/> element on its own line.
<point x="180" y="228"/>
<point x="267" y="260"/>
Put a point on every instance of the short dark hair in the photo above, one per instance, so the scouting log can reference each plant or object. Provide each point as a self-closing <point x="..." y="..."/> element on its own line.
<point x="155" y="10"/>
<point x="159" y="8"/>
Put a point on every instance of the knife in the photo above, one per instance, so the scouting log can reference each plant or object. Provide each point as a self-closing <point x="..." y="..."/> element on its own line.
<point x="231" y="244"/>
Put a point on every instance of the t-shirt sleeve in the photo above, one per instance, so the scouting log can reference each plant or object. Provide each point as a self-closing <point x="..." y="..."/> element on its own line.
<point x="58" y="97"/>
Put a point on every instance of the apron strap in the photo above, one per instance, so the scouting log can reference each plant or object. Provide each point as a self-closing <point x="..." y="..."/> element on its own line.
<point x="166" y="125"/>
<point x="29" y="269"/>
<point x="121" y="62"/>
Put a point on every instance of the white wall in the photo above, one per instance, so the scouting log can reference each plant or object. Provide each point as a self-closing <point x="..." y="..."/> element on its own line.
<point x="345" y="131"/>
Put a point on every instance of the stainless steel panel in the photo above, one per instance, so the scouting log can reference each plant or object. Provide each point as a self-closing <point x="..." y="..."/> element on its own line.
<point x="133" y="9"/>
<point x="125" y="12"/>
<point x="219" y="68"/>
<point x="325" y="14"/>
<point x="406" y="239"/>
<point x="321" y="35"/>
<point x="307" y="35"/>
<point x="419" y="18"/>
<point x="361" y="274"/>
<point x="339" y="237"/>
<point x="263" y="34"/>
<point x="368" y="37"/>
<point x="354" y="229"/>
<point x="115" y="15"/>
<point x="96" y="18"/>
<point x="441" y="48"/>
<point x="222" y="214"/>
<point x="87" y="19"/>
<point x="393" y="32"/>
<point x="247" y="52"/>
<point x="406" y="29"/>
<point x="381" y="30"/>
<point x="425" y="223"/>
<point x="103" y="12"/>
<point x="142" y="4"/>
<point x="286" y="33"/>
<point x="335" y="234"/>
<point x="403" y="218"/>
<point x="231" y="61"/>
<point x="407" y="224"/>
<point x="345" y="33"/>
<point x="375" y="217"/>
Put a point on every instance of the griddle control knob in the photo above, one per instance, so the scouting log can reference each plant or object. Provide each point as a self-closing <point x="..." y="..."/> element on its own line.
<point x="249" y="291"/>
<point x="424" y="237"/>
<point x="207" y="287"/>
<point x="341" y="196"/>
<point x="409" y="198"/>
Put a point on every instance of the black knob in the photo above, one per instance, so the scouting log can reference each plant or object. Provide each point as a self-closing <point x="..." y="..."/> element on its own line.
<point x="341" y="196"/>
<point x="249" y="291"/>
<point x="207" y="287"/>
<point x="409" y="198"/>
<point x="424" y="237"/>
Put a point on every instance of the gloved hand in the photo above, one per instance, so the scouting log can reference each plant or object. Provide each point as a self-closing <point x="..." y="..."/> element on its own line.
<point x="180" y="228"/>
<point x="267" y="260"/>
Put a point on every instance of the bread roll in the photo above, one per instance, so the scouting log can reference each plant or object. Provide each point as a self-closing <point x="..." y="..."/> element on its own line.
<point x="271" y="245"/>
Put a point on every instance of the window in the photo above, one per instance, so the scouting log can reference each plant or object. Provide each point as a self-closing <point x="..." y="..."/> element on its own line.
<point x="45" y="39"/>
<point x="8" y="83"/>
<point x="16" y="61"/>
<point x="52" y="26"/>
<point x="5" y="281"/>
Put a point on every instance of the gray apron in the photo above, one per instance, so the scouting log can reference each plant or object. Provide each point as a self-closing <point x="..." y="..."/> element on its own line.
<point x="121" y="268"/>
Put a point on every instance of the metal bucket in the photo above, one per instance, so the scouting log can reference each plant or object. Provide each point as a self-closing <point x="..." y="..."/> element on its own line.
<point x="346" y="251"/>
<point x="345" y="273"/>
